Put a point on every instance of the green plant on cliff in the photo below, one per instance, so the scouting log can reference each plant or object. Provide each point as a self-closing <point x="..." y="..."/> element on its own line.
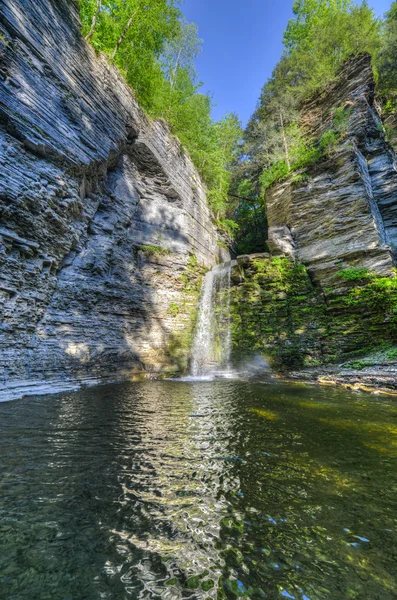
<point x="192" y="276"/>
<point x="322" y="35"/>
<point x="303" y="152"/>
<point x="155" y="250"/>
<point x="277" y="311"/>
<point x="370" y="291"/>
<point x="155" y="49"/>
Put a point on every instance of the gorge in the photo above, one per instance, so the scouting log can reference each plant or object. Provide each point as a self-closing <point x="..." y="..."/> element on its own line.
<point x="106" y="232"/>
<point x="167" y="438"/>
<point x="105" y="225"/>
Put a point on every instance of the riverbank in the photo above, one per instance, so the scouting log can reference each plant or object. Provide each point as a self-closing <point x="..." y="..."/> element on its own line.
<point x="379" y="379"/>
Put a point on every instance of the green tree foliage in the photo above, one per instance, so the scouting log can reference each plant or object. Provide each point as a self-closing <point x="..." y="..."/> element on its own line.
<point x="322" y="35"/>
<point x="386" y="61"/>
<point x="156" y="49"/>
<point x="133" y="34"/>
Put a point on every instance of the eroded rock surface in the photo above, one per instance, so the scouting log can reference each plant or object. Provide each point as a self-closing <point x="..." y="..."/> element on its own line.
<point x="103" y="219"/>
<point x="328" y="292"/>
<point x="344" y="213"/>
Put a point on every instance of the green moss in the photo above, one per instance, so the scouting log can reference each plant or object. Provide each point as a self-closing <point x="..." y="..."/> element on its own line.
<point x="192" y="276"/>
<point x="174" y="308"/>
<point x="357" y="364"/>
<point x="151" y="250"/>
<point x="273" y="311"/>
<point x="391" y="354"/>
<point x="277" y="311"/>
<point x="354" y="274"/>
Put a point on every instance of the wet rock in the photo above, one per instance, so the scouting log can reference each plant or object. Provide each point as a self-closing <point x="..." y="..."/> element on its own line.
<point x="86" y="181"/>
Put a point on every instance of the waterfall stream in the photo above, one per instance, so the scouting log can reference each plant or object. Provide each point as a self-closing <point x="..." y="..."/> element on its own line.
<point x="212" y="343"/>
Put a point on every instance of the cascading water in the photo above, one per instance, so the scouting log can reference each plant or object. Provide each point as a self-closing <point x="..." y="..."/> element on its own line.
<point x="212" y="344"/>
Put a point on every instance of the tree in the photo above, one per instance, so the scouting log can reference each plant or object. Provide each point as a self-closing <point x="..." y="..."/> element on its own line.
<point x="181" y="52"/>
<point x="323" y="34"/>
<point x="320" y="37"/>
<point x="386" y="61"/>
<point x="133" y="33"/>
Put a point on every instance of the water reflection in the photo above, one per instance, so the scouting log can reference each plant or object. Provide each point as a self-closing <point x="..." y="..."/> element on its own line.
<point x="198" y="490"/>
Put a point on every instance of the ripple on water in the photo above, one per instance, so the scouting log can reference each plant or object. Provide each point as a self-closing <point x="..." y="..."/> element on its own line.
<point x="210" y="489"/>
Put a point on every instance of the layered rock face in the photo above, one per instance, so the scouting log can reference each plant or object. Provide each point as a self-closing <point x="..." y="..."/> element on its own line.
<point x="104" y="223"/>
<point x="328" y="292"/>
<point x="278" y="311"/>
<point x="344" y="213"/>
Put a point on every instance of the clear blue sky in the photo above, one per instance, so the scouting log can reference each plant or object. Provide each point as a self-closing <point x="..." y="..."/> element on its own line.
<point x="242" y="43"/>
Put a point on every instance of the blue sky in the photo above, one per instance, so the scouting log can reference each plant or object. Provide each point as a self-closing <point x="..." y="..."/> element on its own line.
<point x="242" y="43"/>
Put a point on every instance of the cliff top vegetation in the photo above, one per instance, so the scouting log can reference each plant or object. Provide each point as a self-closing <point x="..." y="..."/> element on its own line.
<point x="319" y="39"/>
<point x="155" y="49"/>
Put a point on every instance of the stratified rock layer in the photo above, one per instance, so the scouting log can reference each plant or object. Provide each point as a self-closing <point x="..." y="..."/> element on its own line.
<point x="328" y="293"/>
<point x="278" y="311"/>
<point x="344" y="214"/>
<point x="101" y="212"/>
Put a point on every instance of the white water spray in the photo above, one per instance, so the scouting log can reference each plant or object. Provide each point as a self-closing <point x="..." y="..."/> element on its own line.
<point x="212" y="344"/>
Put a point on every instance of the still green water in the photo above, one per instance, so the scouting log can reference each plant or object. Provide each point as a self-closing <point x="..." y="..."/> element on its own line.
<point x="220" y="489"/>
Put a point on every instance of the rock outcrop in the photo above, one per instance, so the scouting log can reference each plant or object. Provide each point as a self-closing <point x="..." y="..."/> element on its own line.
<point x="104" y="223"/>
<point x="343" y="212"/>
<point x="328" y="292"/>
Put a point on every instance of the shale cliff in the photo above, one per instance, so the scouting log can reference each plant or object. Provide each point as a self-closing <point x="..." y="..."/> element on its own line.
<point x="328" y="291"/>
<point x="344" y="212"/>
<point x="104" y="225"/>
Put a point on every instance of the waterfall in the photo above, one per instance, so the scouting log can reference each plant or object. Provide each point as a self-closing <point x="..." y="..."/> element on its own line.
<point x="212" y="343"/>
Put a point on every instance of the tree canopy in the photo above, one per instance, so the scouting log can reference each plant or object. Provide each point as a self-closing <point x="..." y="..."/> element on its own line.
<point x="386" y="60"/>
<point x="320" y="37"/>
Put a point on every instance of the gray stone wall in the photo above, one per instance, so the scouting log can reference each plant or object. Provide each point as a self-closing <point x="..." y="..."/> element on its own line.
<point x="344" y="214"/>
<point x="87" y="181"/>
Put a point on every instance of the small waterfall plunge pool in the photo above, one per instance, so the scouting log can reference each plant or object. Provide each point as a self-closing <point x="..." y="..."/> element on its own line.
<point x="222" y="489"/>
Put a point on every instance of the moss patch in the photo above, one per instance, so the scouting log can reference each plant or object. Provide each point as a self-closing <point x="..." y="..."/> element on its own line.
<point x="153" y="250"/>
<point x="277" y="311"/>
<point x="184" y="314"/>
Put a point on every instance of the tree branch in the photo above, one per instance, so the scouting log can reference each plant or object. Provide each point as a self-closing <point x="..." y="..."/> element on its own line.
<point x="241" y="197"/>
<point x="123" y="34"/>
<point x="94" y="20"/>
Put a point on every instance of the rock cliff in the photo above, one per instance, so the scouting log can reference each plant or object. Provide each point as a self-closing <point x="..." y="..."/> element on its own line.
<point x="344" y="211"/>
<point x="328" y="293"/>
<point x="104" y="225"/>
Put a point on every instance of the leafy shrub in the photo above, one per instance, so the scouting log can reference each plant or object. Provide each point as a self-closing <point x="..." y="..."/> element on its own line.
<point x="328" y="141"/>
<point x="341" y="119"/>
<point x="277" y="172"/>
<point x="354" y="274"/>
